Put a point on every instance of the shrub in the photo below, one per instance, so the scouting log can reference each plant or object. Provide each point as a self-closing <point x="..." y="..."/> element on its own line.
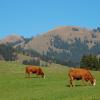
<point x="91" y="62"/>
<point x="31" y="62"/>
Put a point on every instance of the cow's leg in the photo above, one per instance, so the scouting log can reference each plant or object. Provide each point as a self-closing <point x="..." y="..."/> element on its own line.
<point x="37" y="74"/>
<point x="71" y="84"/>
<point x="28" y="75"/>
<point x="71" y="81"/>
<point x="83" y="81"/>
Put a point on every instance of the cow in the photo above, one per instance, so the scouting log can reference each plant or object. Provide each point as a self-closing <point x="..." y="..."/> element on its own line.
<point x="34" y="70"/>
<point x="81" y="74"/>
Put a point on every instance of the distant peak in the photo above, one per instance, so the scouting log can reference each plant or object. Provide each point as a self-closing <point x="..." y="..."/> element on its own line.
<point x="11" y="38"/>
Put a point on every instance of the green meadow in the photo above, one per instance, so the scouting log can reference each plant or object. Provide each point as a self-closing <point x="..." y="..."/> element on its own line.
<point x="14" y="85"/>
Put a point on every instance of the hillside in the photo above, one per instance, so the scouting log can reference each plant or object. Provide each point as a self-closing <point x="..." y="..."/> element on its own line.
<point x="67" y="34"/>
<point x="10" y="48"/>
<point x="15" y="86"/>
<point x="66" y="43"/>
<point x="11" y="39"/>
<point x="14" y="40"/>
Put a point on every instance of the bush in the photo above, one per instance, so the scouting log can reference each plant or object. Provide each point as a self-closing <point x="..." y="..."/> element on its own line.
<point x="31" y="62"/>
<point x="91" y="62"/>
<point x="7" y="52"/>
<point x="75" y="29"/>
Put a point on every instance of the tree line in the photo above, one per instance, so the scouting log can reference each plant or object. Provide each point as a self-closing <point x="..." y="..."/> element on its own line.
<point x="7" y="52"/>
<point x="91" y="62"/>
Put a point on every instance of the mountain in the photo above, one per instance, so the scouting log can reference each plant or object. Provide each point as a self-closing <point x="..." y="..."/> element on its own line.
<point x="15" y="40"/>
<point x="67" y="44"/>
<point x="11" y="39"/>
<point x="68" y="34"/>
<point x="10" y="48"/>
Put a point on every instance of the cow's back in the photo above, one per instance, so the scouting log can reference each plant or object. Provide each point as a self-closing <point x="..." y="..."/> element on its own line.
<point x="79" y="73"/>
<point x="31" y="69"/>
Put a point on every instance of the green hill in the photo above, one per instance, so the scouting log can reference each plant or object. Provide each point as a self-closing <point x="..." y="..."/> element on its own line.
<point x="15" y="86"/>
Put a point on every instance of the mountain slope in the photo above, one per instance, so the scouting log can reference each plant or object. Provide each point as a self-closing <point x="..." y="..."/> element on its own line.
<point x="66" y="43"/>
<point x="15" y="40"/>
<point x="67" y="34"/>
<point x="62" y="45"/>
<point x="11" y="39"/>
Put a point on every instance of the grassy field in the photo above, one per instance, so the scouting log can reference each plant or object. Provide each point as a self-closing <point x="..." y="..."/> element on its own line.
<point x="15" y="86"/>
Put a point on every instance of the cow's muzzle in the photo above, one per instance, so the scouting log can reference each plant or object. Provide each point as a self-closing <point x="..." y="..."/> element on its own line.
<point x="94" y="82"/>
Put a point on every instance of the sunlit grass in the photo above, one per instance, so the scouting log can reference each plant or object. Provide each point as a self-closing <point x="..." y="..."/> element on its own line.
<point x="15" y="86"/>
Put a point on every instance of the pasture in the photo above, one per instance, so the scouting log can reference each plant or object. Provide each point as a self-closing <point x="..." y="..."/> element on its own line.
<point x="15" y="86"/>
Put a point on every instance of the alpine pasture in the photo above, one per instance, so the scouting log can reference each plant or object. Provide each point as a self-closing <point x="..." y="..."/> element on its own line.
<point x="14" y="84"/>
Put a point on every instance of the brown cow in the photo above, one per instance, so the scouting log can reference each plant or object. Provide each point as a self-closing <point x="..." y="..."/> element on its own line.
<point x="34" y="70"/>
<point x="81" y="74"/>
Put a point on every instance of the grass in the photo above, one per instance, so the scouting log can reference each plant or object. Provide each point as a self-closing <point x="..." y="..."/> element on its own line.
<point x="15" y="86"/>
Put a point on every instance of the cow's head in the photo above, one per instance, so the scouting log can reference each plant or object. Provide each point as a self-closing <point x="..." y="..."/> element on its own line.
<point x="93" y="82"/>
<point x="43" y="76"/>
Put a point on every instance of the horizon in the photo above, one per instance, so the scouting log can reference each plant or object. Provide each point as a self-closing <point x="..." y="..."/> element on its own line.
<point x="30" y="18"/>
<point x="16" y="34"/>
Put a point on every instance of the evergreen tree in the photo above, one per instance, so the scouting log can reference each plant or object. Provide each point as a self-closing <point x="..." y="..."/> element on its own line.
<point x="90" y="62"/>
<point x="8" y="52"/>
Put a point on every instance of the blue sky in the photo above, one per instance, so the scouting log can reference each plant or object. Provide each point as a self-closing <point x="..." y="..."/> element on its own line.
<point x="34" y="17"/>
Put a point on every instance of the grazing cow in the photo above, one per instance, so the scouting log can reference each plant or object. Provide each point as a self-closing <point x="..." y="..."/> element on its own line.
<point x="81" y="74"/>
<point x="34" y="70"/>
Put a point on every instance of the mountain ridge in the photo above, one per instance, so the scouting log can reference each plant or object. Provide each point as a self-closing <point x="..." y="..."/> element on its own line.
<point x="66" y="43"/>
<point x="67" y="33"/>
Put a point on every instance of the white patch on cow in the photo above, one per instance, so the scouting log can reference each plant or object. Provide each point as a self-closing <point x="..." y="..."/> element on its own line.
<point x="94" y="82"/>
